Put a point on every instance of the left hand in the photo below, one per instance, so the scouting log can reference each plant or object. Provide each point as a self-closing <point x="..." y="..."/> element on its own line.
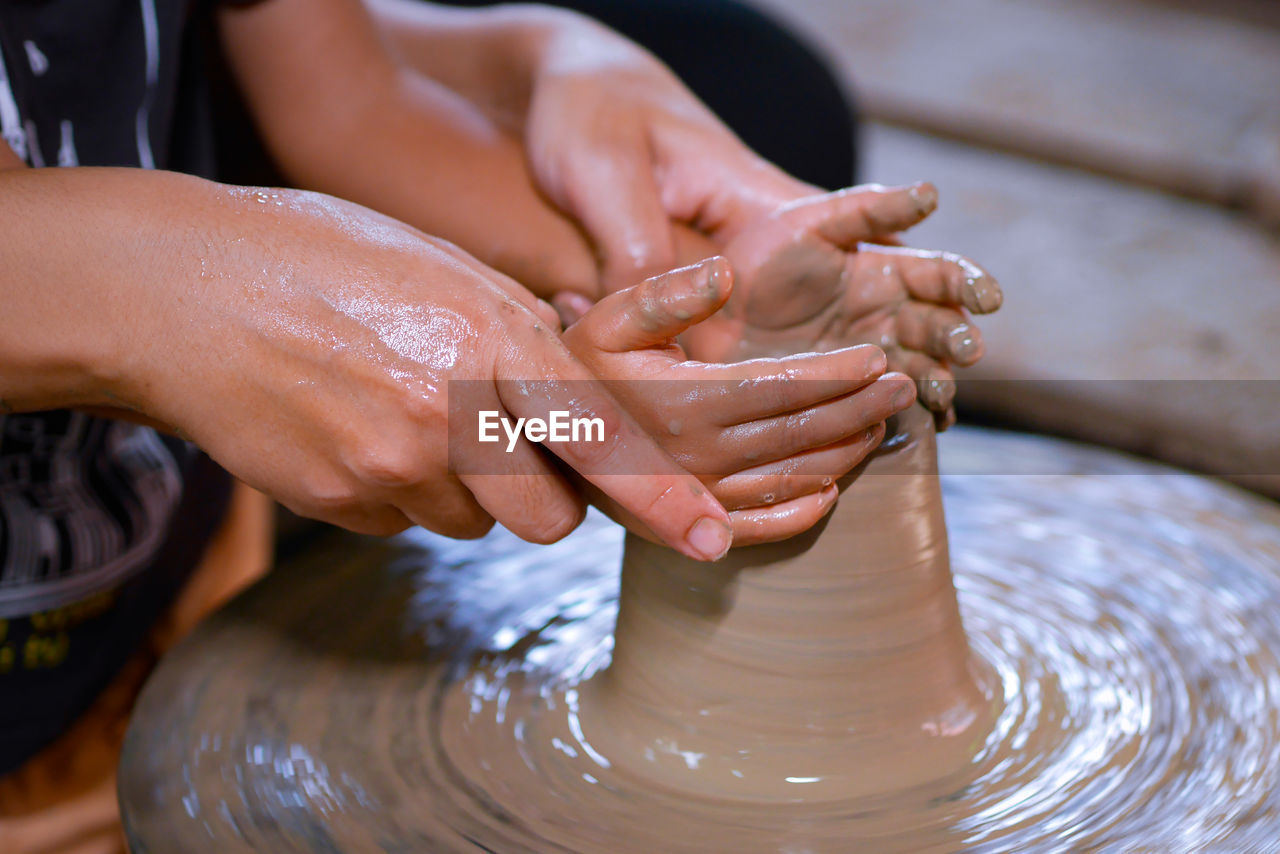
<point x="627" y="151"/>
<point x="769" y="437"/>
<point x="808" y="280"/>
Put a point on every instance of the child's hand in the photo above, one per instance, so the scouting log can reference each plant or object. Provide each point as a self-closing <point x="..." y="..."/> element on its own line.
<point x="808" y="280"/>
<point x="769" y="436"/>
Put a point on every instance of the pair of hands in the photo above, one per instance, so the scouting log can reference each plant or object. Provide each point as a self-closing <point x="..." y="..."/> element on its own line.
<point x="655" y="179"/>
<point x="309" y="346"/>
<point x="390" y="317"/>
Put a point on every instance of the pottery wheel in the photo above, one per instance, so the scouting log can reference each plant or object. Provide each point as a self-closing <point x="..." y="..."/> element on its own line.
<point x="421" y="694"/>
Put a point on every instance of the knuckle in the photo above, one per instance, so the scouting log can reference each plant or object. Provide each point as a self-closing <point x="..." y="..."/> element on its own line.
<point x="387" y="466"/>
<point x="804" y="429"/>
<point x="557" y="525"/>
<point x="327" y="496"/>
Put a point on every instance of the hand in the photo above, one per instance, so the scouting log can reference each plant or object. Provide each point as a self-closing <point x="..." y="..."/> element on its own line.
<point x="808" y="281"/>
<point x="308" y="345"/>
<point x="625" y="149"/>
<point x="769" y="437"/>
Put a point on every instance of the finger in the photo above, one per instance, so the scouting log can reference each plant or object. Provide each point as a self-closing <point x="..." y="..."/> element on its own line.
<point x="855" y="214"/>
<point x="612" y="452"/>
<point x="611" y="192"/>
<point x="519" y="294"/>
<point x="381" y="521"/>
<point x="943" y="333"/>
<point x="780" y="437"/>
<point x="757" y="388"/>
<point x="530" y="499"/>
<point x="770" y="524"/>
<point x="935" y="383"/>
<point x="571" y="307"/>
<point x="945" y="419"/>
<point x="522" y="296"/>
<point x="802" y="474"/>
<point x="932" y="276"/>
<point x="659" y="308"/>
<point x="515" y="483"/>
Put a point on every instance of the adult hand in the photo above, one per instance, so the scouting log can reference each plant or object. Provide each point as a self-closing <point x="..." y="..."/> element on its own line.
<point x="768" y="436"/>
<point x="624" y="148"/>
<point x="308" y="345"/>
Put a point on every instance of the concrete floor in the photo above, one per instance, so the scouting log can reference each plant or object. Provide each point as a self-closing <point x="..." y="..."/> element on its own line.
<point x="1117" y="166"/>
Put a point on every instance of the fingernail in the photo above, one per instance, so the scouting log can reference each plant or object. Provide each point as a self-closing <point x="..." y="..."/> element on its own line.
<point x="830" y="494"/>
<point x="879" y="362"/>
<point x="719" y="275"/>
<point x="710" y="538"/>
<point x="961" y="343"/>
<point x="937" y="393"/>
<point x="904" y="396"/>
<point x="982" y="293"/>
<point x="925" y="196"/>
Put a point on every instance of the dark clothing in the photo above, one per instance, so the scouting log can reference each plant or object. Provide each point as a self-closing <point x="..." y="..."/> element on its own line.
<point x="761" y="80"/>
<point x="775" y="93"/>
<point x="100" y="521"/>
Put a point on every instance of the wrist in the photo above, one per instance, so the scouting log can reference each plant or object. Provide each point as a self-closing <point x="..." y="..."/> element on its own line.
<point x="87" y="272"/>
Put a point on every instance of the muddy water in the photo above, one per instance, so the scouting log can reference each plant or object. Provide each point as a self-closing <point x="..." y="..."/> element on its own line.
<point x="1119" y="686"/>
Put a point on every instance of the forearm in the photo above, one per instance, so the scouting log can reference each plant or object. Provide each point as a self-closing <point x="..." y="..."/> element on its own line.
<point x="362" y="127"/>
<point x="427" y="157"/>
<point x="489" y="55"/>
<point x="77" y="249"/>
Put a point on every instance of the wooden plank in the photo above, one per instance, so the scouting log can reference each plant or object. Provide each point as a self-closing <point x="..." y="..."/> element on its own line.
<point x="1181" y="95"/>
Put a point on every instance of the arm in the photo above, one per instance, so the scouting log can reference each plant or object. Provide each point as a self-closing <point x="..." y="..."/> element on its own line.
<point x="308" y="345"/>
<point x="342" y="116"/>
<point x="628" y="152"/>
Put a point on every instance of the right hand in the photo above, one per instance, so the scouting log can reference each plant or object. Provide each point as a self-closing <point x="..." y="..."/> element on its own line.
<point x="307" y="345"/>
<point x="770" y="436"/>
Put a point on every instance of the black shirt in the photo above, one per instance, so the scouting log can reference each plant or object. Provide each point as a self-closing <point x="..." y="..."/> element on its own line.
<point x="100" y="521"/>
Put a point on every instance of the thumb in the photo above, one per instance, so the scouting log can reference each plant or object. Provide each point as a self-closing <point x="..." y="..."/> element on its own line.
<point x="658" y="309"/>
<point x="847" y="217"/>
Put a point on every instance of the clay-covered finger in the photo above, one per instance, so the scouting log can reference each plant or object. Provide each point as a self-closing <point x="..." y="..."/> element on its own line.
<point x="943" y="333"/>
<point x="779" y="437"/>
<point x="802" y="474"/>
<point x="946" y="278"/>
<point x="854" y="214"/>
<point x="945" y="419"/>
<point x="757" y="388"/>
<point x="935" y="383"/>
<point x="656" y="310"/>
<point x="785" y="520"/>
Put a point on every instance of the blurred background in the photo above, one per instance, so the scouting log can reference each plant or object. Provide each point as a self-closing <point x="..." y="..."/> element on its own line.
<point x="1116" y="164"/>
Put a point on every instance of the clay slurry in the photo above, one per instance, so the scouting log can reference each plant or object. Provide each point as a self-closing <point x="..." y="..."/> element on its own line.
<point x="1117" y="686"/>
